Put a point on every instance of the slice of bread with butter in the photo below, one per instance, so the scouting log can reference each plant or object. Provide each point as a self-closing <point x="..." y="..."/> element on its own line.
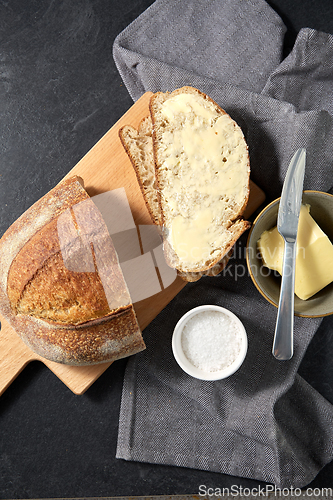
<point x="201" y="178"/>
<point x="138" y="144"/>
<point x="203" y="172"/>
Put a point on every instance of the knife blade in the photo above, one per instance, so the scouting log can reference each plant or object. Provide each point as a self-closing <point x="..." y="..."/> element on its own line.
<point x="287" y="225"/>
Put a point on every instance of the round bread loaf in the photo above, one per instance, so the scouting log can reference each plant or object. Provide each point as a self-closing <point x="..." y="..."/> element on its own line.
<point x="52" y="291"/>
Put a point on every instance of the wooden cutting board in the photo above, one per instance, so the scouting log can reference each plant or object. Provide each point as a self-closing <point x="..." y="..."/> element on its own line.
<point x="105" y="167"/>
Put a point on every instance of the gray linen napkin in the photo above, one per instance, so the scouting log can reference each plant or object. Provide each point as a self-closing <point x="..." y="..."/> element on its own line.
<point x="265" y="422"/>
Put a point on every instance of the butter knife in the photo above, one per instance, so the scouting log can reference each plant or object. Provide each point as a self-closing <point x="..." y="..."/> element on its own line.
<point x="287" y="225"/>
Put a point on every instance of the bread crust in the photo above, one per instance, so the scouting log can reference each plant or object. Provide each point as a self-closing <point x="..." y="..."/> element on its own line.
<point x="237" y="225"/>
<point x="64" y="315"/>
<point x="99" y="341"/>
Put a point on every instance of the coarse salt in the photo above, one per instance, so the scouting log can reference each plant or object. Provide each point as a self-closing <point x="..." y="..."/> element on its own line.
<point x="211" y="340"/>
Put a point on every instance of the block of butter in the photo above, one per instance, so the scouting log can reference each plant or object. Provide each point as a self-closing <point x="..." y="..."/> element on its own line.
<point x="314" y="255"/>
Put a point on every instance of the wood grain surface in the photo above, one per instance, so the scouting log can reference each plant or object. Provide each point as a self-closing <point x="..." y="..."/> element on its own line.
<point x="104" y="168"/>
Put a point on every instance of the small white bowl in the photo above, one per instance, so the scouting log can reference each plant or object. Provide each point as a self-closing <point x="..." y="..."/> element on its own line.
<point x="195" y="371"/>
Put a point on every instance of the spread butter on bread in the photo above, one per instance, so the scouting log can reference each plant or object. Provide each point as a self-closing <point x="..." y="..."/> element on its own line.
<point x="202" y="173"/>
<point x="138" y="144"/>
<point x="68" y="312"/>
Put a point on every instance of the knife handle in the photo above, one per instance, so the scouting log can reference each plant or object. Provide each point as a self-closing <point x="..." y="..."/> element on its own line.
<point x="283" y="338"/>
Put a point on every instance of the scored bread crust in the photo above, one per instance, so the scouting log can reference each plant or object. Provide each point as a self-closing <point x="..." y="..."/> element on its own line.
<point x="234" y="226"/>
<point x="62" y="315"/>
<point x="138" y="144"/>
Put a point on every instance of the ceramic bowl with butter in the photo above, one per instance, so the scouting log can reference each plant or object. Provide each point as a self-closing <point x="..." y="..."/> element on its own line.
<point x="314" y="262"/>
<point x="209" y="342"/>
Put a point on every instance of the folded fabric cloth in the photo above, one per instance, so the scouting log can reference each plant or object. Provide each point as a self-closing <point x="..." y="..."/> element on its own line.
<point x="234" y="42"/>
<point x="265" y="422"/>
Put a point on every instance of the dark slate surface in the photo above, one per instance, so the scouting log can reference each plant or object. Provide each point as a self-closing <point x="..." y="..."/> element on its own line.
<point x="59" y="93"/>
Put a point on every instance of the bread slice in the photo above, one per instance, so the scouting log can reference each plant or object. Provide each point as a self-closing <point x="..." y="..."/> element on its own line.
<point x="54" y="290"/>
<point x="202" y="172"/>
<point x="138" y="144"/>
